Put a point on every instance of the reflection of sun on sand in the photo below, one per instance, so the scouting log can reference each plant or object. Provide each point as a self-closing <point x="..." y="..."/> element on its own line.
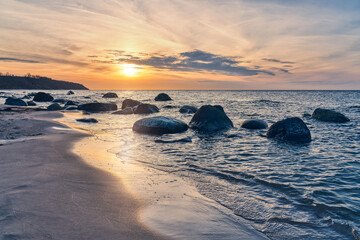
<point x="130" y="70"/>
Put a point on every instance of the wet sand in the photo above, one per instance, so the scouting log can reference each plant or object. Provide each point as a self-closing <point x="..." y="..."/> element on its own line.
<point x="48" y="192"/>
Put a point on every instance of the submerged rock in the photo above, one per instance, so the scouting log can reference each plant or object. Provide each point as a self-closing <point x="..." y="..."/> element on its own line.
<point x="163" y="97"/>
<point x="181" y="140"/>
<point x="42" y="97"/>
<point x="129" y="103"/>
<point x="31" y="103"/>
<point x="54" y="107"/>
<point x="98" y="107"/>
<point x="15" y="101"/>
<point x="110" y="95"/>
<point x="70" y="103"/>
<point x="188" y="109"/>
<point x="292" y="130"/>
<point x="125" y="111"/>
<point x="70" y="93"/>
<point x="159" y="125"/>
<point x="59" y="100"/>
<point x="327" y="115"/>
<point x="71" y="108"/>
<point x="210" y="118"/>
<point x="87" y="120"/>
<point x="254" y="124"/>
<point x="145" y="108"/>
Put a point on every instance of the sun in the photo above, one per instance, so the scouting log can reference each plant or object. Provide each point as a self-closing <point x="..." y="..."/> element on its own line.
<point x="129" y="70"/>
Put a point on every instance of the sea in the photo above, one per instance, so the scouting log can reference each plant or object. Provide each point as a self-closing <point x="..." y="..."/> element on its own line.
<point x="285" y="191"/>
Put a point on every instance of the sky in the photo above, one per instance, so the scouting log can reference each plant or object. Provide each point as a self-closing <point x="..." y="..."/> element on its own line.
<point x="184" y="44"/>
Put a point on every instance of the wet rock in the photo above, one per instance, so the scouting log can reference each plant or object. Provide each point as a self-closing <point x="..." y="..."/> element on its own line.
<point x="54" y="107"/>
<point x="292" y="130"/>
<point x="210" y="119"/>
<point x="188" y="109"/>
<point x="181" y="140"/>
<point x="170" y="106"/>
<point x="254" y="124"/>
<point x="70" y="93"/>
<point x="15" y="102"/>
<point x="98" y="107"/>
<point x="159" y="125"/>
<point x="110" y="95"/>
<point x="306" y="115"/>
<point x="31" y="103"/>
<point x="59" y="100"/>
<point x="125" y="111"/>
<point x="146" y="108"/>
<point x="163" y="97"/>
<point x="327" y="115"/>
<point x="129" y="103"/>
<point x="87" y="120"/>
<point x="26" y="97"/>
<point x="42" y="97"/>
<point x="70" y="103"/>
<point x="71" y="108"/>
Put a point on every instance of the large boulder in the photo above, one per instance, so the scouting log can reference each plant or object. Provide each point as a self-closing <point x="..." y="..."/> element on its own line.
<point x="145" y="108"/>
<point x="125" y="111"/>
<point x="159" y="125"/>
<point x="163" y="97"/>
<point x="110" y="95"/>
<point x="129" y="103"/>
<point x="43" y="97"/>
<point x="210" y="119"/>
<point x="254" y="124"/>
<point x="188" y="109"/>
<point x="98" y="107"/>
<point x="87" y="120"/>
<point x="54" y="107"/>
<point x="327" y="115"/>
<point x="15" y="101"/>
<point x="292" y="130"/>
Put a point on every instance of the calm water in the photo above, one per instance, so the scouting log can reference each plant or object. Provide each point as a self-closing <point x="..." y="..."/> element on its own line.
<point x="287" y="191"/>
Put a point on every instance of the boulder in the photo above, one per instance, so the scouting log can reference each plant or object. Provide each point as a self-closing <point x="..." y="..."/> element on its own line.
<point x="254" y="124"/>
<point x="188" y="109"/>
<point x="54" y="107"/>
<point x="145" y="108"/>
<point x="327" y="115"/>
<point x="87" y="120"/>
<point x="129" y="103"/>
<point x="70" y="93"/>
<point x="98" y="107"/>
<point x="292" y="130"/>
<point x="15" y="102"/>
<point x="31" y="103"/>
<point x="42" y="97"/>
<point x="163" y="97"/>
<point x="125" y="111"/>
<point x="159" y="125"/>
<point x="60" y="100"/>
<point x="70" y="103"/>
<point x="110" y="95"/>
<point x="210" y="119"/>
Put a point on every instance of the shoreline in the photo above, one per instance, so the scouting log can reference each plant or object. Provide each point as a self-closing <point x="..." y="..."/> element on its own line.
<point x="48" y="192"/>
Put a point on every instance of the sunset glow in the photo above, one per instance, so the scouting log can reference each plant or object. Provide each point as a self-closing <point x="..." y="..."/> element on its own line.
<point x="129" y="70"/>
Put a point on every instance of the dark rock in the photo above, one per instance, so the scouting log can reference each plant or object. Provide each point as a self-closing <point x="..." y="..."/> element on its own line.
<point x="15" y="102"/>
<point x="254" y="124"/>
<point x="70" y="93"/>
<point x="170" y="106"/>
<point x="31" y="103"/>
<point x="125" y="111"/>
<point x="182" y="140"/>
<point x="110" y="95"/>
<point x="210" y="118"/>
<point x="163" y="97"/>
<point x="292" y="130"/>
<point x="306" y="115"/>
<point x="70" y="103"/>
<point x="188" y="109"/>
<point x="327" y="115"/>
<point x="145" y="108"/>
<point x="71" y="108"/>
<point x="98" y="107"/>
<point x="42" y="97"/>
<point x="26" y="97"/>
<point x="129" y="103"/>
<point x="54" y="107"/>
<point x="159" y="125"/>
<point x="59" y="100"/>
<point x="87" y="120"/>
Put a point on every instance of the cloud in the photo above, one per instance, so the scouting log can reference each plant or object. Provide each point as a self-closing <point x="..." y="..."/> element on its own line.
<point x="192" y="61"/>
<point x="18" y="60"/>
<point x="277" y="61"/>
